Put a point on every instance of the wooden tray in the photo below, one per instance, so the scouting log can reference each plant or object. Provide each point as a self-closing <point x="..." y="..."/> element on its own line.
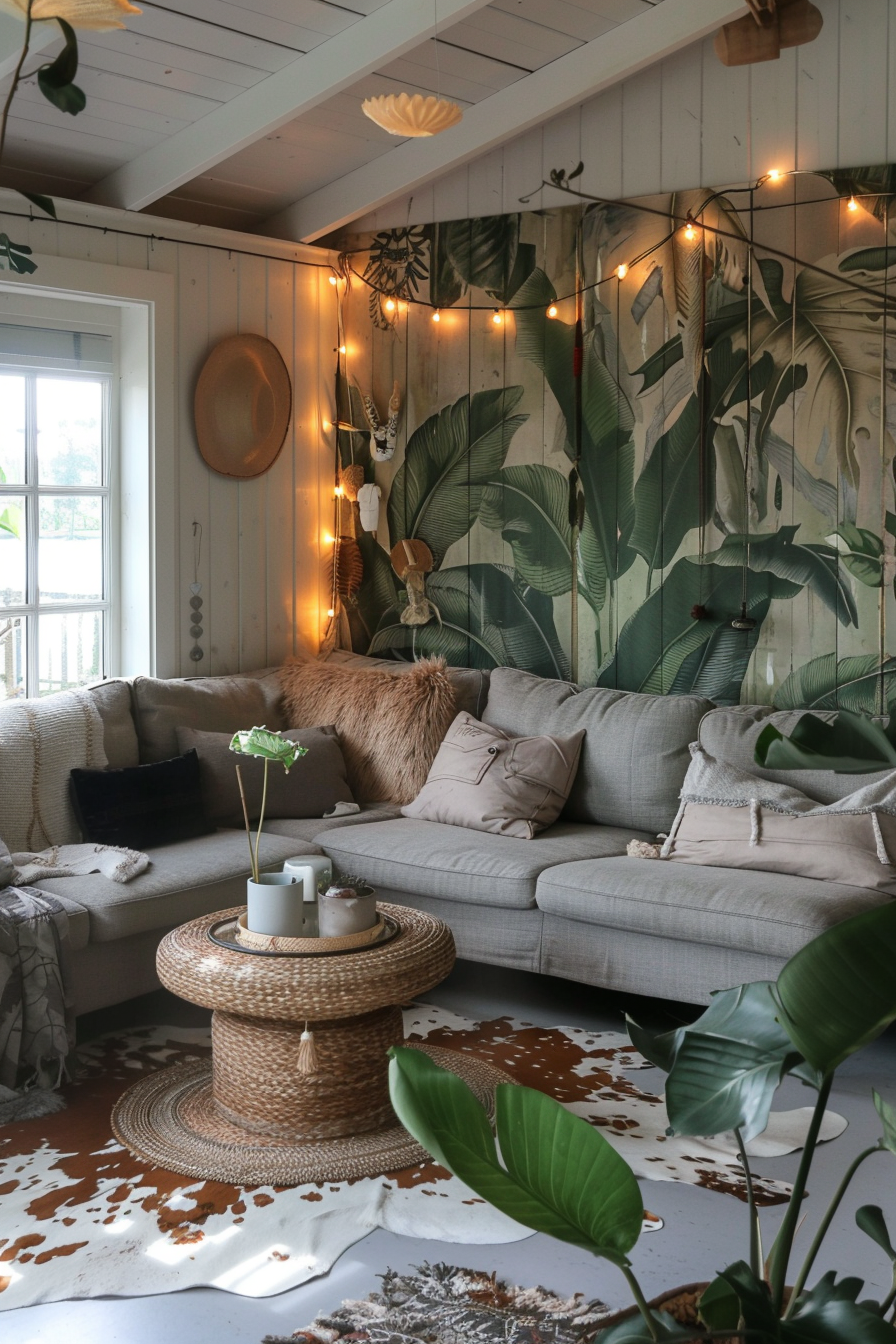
<point x="233" y="934"/>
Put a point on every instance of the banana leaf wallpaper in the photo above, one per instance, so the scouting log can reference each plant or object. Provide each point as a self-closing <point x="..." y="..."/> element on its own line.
<point x="691" y="491"/>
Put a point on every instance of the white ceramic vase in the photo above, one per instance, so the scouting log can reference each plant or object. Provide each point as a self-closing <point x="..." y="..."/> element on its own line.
<point x="275" y="905"/>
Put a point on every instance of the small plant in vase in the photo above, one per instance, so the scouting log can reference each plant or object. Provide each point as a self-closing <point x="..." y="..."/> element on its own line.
<point x="347" y="904"/>
<point x="271" y="908"/>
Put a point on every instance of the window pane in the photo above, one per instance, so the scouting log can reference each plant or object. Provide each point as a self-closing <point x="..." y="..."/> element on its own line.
<point x="12" y="550"/>
<point x="70" y="549"/>
<point x="69" y="431"/>
<point x="12" y="657"/>
<point x="70" y="650"/>
<point x="12" y="430"/>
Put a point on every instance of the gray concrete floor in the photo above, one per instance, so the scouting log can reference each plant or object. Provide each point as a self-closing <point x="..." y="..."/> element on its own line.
<point x="703" y="1233"/>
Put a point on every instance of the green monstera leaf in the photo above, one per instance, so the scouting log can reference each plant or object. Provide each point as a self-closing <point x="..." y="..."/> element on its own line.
<point x="557" y="1174"/>
<point x="529" y="506"/>
<point x="488" y="619"/>
<point x="809" y="566"/>
<point x="676" y="489"/>
<point x="862" y="553"/>
<point x="861" y="683"/>
<point x="662" y="646"/>
<point x="449" y="460"/>
<point x="484" y="252"/>
<point x="608" y="464"/>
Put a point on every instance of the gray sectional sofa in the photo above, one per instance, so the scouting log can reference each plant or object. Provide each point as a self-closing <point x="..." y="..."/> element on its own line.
<point x="568" y="903"/>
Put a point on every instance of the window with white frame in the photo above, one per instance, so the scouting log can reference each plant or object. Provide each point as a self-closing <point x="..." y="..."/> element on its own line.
<point x="56" y="509"/>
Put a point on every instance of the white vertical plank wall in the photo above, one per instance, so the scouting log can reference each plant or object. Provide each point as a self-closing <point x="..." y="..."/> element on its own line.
<point x="261" y="552"/>
<point x="689" y="121"/>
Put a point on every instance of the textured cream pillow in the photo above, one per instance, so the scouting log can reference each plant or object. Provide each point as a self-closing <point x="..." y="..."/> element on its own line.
<point x="483" y="779"/>
<point x="730" y="819"/>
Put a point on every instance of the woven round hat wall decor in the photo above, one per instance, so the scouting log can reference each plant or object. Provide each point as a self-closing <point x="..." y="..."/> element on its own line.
<point x="242" y="406"/>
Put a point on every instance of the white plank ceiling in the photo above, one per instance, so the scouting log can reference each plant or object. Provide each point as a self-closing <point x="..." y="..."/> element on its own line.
<point x="171" y="70"/>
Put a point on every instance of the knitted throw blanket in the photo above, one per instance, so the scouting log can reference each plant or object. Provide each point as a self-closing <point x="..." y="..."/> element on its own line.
<point x="120" y="865"/>
<point x="36" y="1022"/>
<point x="41" y="741"/>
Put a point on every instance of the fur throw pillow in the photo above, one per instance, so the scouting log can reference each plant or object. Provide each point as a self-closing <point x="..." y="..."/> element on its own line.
<point x="390" y="727"/>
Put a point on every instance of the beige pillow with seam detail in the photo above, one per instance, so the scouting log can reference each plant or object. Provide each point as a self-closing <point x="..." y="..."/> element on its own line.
<point x="486" y="780"/>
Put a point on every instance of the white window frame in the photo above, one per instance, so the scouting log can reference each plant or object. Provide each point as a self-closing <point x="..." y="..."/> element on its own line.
<point x="145" y="387"/>
<point x="31" y="368"/>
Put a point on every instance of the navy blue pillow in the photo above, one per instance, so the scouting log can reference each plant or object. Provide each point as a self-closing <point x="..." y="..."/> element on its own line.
<point x="142" y="806"/>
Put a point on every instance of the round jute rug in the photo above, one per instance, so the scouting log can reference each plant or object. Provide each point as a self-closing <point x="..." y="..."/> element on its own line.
<point x="169" y="1119"/>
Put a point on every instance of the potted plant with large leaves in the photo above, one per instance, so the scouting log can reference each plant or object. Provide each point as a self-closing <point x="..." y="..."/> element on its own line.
<point x="554" y="1173"/>
<point x="270" y="909"/>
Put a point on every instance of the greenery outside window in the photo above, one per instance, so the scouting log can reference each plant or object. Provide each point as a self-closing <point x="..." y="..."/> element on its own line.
<point x="56" y="533"/>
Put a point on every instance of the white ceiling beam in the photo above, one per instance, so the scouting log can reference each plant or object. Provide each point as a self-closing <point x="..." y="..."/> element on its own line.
<point x="342" y="60"/>
<point x="562" y="84"/>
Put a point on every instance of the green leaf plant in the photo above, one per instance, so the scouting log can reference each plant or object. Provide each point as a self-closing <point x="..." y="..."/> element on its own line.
<point x="267" y="746"/>
<point x="56" y="81"/>
<point x="552" y="1172"/>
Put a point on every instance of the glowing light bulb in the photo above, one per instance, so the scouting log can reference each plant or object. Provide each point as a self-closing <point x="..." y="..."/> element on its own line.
<point x="852" y="203"/>
<point x="437" y="316"/>
<point x="342" y="349"/>
<point x="621" y="271"/>
<point x="330" y="612"/>
<point x="552" y="311"/>
<point x="339" y="492"/>
<point x="497" y="318"/>
<point x="775" y="175"/>
<point x="690" y="232"/>
<point x="325" y="424"/>
<point x="333" y="280"/>
<point x="329" y="538"/>
<point x="390" y="305"/>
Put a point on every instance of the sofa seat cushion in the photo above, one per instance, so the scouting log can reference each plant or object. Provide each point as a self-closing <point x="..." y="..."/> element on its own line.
<point x="770" y="913"/>
<point x="183" y="881"/>
<point x="635" y="753"/>
<point x="428" y="858"/>
<point x="306" y="828"/>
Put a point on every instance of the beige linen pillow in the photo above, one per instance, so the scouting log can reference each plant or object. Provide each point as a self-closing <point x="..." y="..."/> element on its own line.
<point x="389" y="727"/>
<point x="730" y="819"/>
<point x="313" y="786"/>
<point x="488" y="781"/>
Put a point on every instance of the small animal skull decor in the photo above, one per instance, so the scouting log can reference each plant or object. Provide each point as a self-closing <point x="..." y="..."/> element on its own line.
<point x="412" y="561"/>
<point x="369" y="506"/>
<point x="384" y="436"/>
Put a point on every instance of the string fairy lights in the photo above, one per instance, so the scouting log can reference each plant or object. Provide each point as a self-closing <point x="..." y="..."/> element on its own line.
<point x="691" y="226"/>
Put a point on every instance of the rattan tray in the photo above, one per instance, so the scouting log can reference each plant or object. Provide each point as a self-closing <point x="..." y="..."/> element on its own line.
<point x="227" y="933"/>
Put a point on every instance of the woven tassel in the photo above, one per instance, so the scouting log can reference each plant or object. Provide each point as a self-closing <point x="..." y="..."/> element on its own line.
<point x="755" y="821"/>
<point x="307" y="1061"/>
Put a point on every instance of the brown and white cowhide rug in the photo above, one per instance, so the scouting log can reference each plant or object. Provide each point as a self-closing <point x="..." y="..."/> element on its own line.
<point x="81" y="1217"/>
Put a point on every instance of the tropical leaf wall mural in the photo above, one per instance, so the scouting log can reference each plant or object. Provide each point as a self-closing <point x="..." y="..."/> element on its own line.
<point x="677" y="477"/>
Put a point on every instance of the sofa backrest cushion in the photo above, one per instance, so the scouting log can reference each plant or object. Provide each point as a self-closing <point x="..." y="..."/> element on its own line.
<point x="730" y="735"/>
<point x="208" y="704"/>
<point x="470" y="684"/>
<point x="113" y="700"/>
<point x="635" y="754"/>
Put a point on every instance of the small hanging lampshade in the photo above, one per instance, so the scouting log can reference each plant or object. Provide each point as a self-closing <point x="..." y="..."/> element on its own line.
<point x="412" y="115"/>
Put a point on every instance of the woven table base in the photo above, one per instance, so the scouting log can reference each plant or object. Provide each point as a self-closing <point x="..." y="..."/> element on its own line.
<point x="169" y="1119"/>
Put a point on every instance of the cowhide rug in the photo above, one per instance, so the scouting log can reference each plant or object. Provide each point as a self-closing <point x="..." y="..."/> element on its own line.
<point x="440" y="1304"/>
<point x="81" y="1217"/>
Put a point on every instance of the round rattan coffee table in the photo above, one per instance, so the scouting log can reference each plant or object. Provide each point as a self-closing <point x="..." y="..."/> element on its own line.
<point x="251" y="1114"/>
